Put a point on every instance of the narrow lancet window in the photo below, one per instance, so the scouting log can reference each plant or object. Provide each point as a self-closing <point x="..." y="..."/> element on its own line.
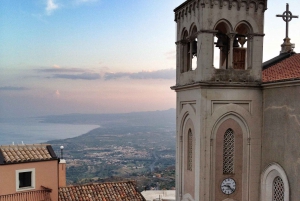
<point x="190" y="151"/>
<point x="228" y="152"/>
<point x="278" y="189"/>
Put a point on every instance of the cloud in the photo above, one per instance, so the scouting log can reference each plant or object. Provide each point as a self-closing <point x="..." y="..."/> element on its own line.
<point x="84" y="1"/>
<point x="159" y="74"/>
<point x="171" y="55"/>
<point x="68" y="73"/>
<point x="51" y="6"/>
<point x="82" y="76"/>
<point x="60" y="70"/>
<point x="10" y="88"/>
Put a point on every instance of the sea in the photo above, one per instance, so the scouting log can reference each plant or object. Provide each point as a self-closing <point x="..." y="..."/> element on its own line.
<point x="33" y="131"/>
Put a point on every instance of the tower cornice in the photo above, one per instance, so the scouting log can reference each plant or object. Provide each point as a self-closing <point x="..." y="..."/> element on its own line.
<point x="190" y="5"/>
<point x="217" y="85"/>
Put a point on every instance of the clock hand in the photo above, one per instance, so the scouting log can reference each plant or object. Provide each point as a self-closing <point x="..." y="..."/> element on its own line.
<point x="229" y="187"/>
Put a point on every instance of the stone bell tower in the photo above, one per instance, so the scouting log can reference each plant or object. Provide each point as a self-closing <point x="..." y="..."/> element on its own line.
<point x="219" y="99"/>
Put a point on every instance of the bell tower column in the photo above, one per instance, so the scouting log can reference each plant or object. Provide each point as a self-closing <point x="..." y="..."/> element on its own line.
<point x="230" y="56"/>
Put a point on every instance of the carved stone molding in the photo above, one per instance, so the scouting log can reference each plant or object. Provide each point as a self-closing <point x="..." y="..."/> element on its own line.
<point x="190" y="103"/>
<point x="190" y="5"/>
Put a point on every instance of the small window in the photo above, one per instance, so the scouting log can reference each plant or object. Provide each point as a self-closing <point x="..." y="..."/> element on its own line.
<point x="25" y="179"/>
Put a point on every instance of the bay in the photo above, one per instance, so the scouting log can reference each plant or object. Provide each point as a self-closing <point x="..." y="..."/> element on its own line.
<point x="32" y="131"/>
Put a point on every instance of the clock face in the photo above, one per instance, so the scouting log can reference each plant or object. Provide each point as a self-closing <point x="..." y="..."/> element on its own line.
<point x="228" y="186"/>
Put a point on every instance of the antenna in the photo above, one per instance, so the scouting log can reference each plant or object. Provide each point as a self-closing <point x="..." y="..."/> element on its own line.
<point x="61" y="151"/>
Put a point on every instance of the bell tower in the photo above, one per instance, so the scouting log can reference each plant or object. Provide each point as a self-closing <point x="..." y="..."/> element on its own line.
<point x="219" y="99"/>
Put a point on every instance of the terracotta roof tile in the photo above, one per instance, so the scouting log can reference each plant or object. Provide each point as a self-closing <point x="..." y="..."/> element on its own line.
<point x="26" y="153"/>
<point x="287" y="69"/>
<point x="114" y="191"/>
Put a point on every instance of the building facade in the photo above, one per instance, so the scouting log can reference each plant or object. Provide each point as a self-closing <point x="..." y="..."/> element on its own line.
<point x="28" y="171"/>
<point x="35" y="173"/>
<point x="232" y="139"/>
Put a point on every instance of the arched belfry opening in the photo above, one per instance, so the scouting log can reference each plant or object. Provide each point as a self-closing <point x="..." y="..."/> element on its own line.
<point x="241" y="47"/>
<point x="189" y="49"/>
<point x="232" y="47"/>
<point x="222" y="45"/>
<point x="185" y="52"/>
<point x="193" y="47"/>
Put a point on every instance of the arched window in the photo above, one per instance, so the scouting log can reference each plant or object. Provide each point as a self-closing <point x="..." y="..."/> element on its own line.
<point x="193" y="48"/>
<point x="274" y="184"/>
<point x="190" y="151"/>
<point x="228" y="152"/>
<point x="278" y="189"/>
<point x="186" y="62"/>
<point x="222" y="45"/>
<point x="241" y="52"/>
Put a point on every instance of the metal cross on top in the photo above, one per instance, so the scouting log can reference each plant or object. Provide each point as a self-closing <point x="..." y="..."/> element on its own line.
<point x="287" y="16"/>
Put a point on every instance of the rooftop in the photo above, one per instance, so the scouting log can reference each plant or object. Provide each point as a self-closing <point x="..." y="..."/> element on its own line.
<point x="282" y="68"/>
<point x="116" y="191"/>
<point x="26" y="153"/>
<point x="151" y="195"/>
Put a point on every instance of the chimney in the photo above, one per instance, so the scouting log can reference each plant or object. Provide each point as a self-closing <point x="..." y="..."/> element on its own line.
<point x="62" y="173"/>
<point x="62" y="170"/>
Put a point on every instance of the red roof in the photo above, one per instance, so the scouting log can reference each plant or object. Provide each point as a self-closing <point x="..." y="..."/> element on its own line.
<point x="287" y="69"/>
<point x="112" y="191"/>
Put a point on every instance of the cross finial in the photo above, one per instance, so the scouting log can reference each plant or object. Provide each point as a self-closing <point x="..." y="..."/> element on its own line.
<point x="287" y="16"/>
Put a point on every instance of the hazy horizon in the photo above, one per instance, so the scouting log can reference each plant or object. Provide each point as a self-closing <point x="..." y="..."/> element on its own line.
<point x="99" y="56"/>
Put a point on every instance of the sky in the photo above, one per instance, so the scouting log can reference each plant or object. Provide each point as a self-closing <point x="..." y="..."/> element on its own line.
<point x="98" y="56"/>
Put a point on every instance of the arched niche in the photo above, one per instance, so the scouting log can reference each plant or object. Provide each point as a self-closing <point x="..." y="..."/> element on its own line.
<point x="187" y="117"/>
<point x="269" y="174"/>
<point x="239" y="125"/>
<point x="188" y="174"/>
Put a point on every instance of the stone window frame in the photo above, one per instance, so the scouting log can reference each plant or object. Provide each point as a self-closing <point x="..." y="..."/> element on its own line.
<point x="32" y="170"/>
<point x="267" y="179"/>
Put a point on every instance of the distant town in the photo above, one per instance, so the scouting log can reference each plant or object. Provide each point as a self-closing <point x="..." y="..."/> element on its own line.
<point x="134" y="146"/>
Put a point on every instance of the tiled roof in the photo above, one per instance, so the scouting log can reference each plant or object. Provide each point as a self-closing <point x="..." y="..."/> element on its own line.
<point x="287" y="69"/>
<point x="112" y="191"/>
<point x="26" y="153"/>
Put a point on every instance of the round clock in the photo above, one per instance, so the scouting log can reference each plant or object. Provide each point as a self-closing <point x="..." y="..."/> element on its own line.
<point x="228" y="186"/>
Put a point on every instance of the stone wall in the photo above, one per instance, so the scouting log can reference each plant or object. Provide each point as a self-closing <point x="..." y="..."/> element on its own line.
<point x="281" y="132"/>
